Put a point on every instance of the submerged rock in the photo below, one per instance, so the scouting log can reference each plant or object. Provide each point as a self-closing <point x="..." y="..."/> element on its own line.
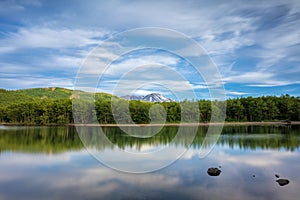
<point x="213" y="171"/>
<point x="283" y="182"/>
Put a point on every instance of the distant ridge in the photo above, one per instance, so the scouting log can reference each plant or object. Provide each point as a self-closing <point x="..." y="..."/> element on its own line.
<point x="132" y="97"/>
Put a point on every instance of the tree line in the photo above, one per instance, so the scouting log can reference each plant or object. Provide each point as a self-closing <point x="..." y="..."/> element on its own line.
<point x="59" y="111"/>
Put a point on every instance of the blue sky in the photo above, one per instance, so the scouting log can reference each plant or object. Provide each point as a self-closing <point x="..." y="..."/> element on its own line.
<point x="254" y="44"/>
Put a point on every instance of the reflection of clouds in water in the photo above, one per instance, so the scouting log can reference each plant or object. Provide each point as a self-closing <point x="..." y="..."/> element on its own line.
<point x="189" y="154"/>
<point x="75" y="175"/>
<point x="256" y="158"/>
<point x="18" y="159"/>
<point x="236" y="181"/>
<point x="144" y="148"/>
<point x="92" y="182"/>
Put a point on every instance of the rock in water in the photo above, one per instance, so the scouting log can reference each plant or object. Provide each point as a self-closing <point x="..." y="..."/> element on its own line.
<point x="282" y="182"/>
<point x="213" y="171"/>
<point x="276" y="175"/>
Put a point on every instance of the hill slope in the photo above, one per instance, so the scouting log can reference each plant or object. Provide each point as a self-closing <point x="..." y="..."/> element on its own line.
<point x="8" y="97"/>
<point x="50" y="93"/>
<point x="11" y="97"/>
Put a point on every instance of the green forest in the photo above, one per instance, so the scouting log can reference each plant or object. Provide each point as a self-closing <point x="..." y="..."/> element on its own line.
<point x="46" y="106"/>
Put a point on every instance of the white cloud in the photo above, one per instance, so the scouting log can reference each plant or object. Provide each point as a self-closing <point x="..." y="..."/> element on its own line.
<point x="141" y="86"/>
<point x="143" y="92"/>
<point x="140" y="62"/>
<point x="6" y="49"/>
<point x="269" y="30"/>
<point x="35" y="81"/>
<point x="192" y="50"/>
<point x="44" y="37"/>
<point x="9" y="6"/>
<point x="235" y="93"/>
<point x="258" y="79"/>
<point x="255" y="79"/>
<point x="65" y="62"/>
<point x="249" y="77"/>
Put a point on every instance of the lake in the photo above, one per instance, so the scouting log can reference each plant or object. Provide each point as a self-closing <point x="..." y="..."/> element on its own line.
<point x="52" y="163"/>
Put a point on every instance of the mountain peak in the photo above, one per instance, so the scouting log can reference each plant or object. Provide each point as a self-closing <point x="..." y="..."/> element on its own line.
<point x="156" y="97"/>
<point x="153" y="97"/>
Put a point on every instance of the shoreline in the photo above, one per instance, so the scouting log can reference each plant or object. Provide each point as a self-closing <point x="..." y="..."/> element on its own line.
<point x="167" y="124"/>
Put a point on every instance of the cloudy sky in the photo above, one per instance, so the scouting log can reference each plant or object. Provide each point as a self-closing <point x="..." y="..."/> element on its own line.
<point x="254" y="44"/>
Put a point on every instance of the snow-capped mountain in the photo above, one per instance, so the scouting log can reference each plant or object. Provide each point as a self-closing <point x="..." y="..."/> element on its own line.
<point x="154" y="97"/>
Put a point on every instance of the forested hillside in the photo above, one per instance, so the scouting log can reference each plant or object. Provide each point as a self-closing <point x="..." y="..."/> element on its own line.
<point x="42" y="106"/>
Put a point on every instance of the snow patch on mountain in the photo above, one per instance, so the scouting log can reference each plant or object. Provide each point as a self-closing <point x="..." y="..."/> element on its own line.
<point x="154" y="97"/>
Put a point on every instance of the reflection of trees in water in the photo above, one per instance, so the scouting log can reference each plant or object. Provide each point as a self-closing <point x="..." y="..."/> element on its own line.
<point x="263" y="137"/>
<point x="39" y="139"/>
<point x="61" y="139"/>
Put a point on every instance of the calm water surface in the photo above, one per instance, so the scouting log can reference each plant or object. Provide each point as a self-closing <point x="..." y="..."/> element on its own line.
<point x="52" y="163"/>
